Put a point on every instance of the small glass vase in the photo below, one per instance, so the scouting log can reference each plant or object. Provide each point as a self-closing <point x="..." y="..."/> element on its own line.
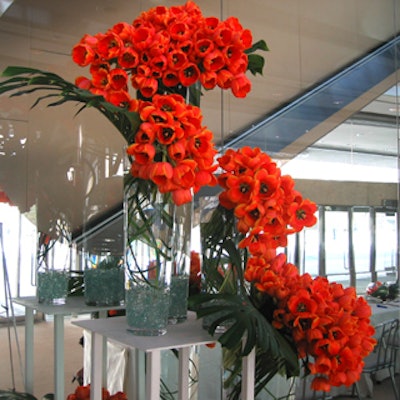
<point x="53" y="260"/>
<point x="52" y="287"/>
<point x="148" y="241"/>
<point x="104" y="281"/>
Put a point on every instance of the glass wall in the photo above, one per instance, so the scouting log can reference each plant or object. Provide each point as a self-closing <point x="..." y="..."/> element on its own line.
<point x="353" y="246"/>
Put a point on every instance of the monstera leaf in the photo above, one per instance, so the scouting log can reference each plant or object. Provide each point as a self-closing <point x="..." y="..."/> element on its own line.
<point x="245" y="323"/>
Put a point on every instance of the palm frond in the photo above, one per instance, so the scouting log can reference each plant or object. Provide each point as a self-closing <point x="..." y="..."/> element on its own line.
<point x="25" y="81"/>
<point x="13" y="395"/>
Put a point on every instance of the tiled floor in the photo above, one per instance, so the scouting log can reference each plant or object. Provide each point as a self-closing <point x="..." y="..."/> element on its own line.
<point x="44" y="370"/>
<point x="43" y="357"/>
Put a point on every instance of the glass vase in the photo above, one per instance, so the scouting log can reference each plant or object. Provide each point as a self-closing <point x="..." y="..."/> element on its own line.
<point x="217" y="273"/>
<point x="149" y="238"/>
<point x="53" y="262"/>
<point x="104" y="281"/>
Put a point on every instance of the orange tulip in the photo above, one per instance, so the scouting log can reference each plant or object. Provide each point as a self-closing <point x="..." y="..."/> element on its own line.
<point x="161" y="172"/>
<point x="83" y="54"/>
<point x="240" y="85"/>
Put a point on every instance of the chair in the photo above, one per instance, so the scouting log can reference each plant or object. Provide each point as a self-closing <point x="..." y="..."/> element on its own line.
<point x="384" y="354"/>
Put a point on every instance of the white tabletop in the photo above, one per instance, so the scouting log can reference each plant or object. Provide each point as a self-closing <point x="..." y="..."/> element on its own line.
<point x="185" y="334"/>
<point x="384" y="311"/>
<point x="73" y="305"/>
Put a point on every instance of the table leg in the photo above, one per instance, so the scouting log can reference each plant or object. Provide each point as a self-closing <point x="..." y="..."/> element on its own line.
<point x="136" y="388"/>
<point x="104" y="314"/>
<point x="183" y="381"/>
<point x="59" y="357"/>
<point x="96" y="366"/>
<point x="248" y="367"/>
<point x="153" y="373"/>
<point x="29" y="364"/>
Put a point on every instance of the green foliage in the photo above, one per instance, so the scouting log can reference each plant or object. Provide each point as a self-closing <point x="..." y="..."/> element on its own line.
<point x="256" y="62"/>
<point x="13" y="395"/>
<point x="233" y="303"/>
<point x="149" y="215"/>
<point x="387" y="291"/>
<point x="59" y="91"/>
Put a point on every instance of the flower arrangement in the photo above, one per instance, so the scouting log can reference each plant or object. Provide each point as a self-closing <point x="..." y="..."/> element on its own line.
<point x="286" y="316"/>
<point x="171" y="148"/>
<point x="383" y="291"/>
<point x="166" y="48"/>
<point x="168" y="55"/>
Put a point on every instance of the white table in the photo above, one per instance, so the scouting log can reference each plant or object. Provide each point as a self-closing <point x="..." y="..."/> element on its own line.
<point x="384" y="311"/>
<point x="180" y="336"/>
<point x="73" y="306"/>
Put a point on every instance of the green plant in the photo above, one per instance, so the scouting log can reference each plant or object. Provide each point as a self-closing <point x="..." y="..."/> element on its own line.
<point x="14" y="395"/>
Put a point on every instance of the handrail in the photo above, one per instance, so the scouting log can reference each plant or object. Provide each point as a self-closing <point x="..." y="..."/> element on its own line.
<point x="281" y="128"/>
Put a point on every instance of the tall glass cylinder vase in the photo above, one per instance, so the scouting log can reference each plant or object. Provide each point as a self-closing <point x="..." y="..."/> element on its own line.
<point x="149" y="242"/>
<point x="181" y="263"/>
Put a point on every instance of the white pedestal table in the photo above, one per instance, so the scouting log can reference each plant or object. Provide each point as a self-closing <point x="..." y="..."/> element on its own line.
<point x="180" y="336"/>
<point x="73" y="306"/>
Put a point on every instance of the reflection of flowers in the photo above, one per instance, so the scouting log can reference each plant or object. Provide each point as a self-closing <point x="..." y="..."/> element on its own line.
<point x="3" y="197"/>
<point x="195" y="273"/>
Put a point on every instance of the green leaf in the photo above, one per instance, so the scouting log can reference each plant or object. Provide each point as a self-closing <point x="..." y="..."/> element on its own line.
<point x="17" y="70"/>
<point x="29" y="80"/>
<point x="260" y="45"/>
<point x="255" y="61"/>
<point x="13" y="395"/>
<point x="256" y="64"/>
<point x="248" y="323"/>
<point x="246" y="329"/>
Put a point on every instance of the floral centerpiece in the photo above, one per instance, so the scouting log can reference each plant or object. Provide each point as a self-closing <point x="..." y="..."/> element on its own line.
<point x="168" y="56"/>
<point x="383" y="291"/>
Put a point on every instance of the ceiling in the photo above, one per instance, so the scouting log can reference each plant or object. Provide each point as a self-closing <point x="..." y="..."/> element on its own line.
<point x="51" y="160"/>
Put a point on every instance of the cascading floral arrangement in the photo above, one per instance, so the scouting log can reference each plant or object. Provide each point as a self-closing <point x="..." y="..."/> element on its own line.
<point x="286" y="316"/>
<point x="167" y="55"/>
